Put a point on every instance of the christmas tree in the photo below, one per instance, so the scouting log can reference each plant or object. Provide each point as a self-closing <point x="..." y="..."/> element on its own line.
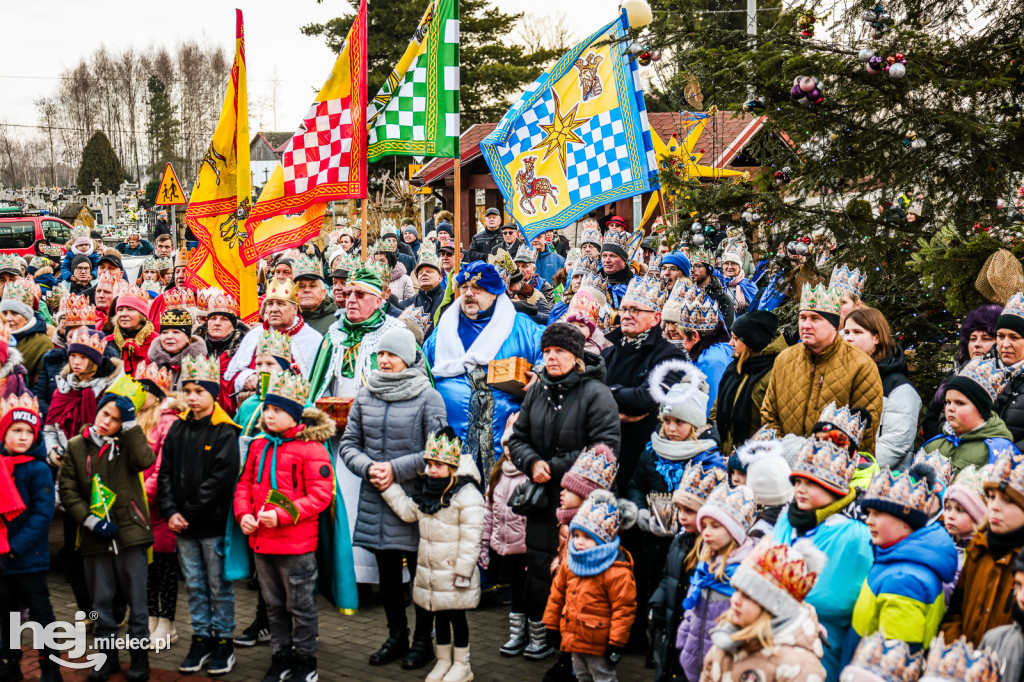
<point x="893" y="135"/>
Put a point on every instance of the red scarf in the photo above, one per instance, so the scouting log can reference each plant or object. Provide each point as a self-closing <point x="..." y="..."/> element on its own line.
<point x="291" y="331"/>
<point x="72" y="410"/>
<point x="11" y="503"/>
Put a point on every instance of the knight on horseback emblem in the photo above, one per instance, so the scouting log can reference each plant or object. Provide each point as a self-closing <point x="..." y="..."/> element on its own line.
<point x="532" y="187"/>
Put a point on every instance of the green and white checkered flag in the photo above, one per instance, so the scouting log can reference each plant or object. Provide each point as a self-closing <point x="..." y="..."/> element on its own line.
<point x="416" y="112"/>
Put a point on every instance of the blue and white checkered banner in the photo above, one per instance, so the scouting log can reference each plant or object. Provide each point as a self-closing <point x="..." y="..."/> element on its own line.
<point x="577" y="138"/>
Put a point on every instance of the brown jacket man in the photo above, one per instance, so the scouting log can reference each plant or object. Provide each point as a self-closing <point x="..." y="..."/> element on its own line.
<point x="822" y="369"/>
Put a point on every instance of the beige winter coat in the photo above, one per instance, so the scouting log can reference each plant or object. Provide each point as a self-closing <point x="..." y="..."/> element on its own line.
<point x="449" y="544"/>
<point x="795" y="656"/>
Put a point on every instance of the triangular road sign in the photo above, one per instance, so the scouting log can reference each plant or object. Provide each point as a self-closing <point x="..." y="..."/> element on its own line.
<point x="169" y="193"/>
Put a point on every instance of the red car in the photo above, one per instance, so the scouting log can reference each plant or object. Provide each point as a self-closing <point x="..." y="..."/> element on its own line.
<point x="19" y="230"/>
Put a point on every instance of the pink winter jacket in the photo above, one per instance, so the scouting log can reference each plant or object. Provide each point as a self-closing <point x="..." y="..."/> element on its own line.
<point x="504" y="530"/>
<point x="163" y="539"/>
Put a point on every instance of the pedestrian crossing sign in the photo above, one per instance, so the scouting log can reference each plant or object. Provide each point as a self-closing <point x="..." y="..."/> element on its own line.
<point x="169" y="193"/>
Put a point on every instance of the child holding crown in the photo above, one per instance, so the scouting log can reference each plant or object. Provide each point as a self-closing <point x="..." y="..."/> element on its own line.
<point x="286" y="482"/>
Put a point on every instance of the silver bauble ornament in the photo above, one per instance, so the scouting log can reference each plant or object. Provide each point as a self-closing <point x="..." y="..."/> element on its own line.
<point x="696" y="228"/>
<point x="698" y="240"/>
<point x="897" y="71"/>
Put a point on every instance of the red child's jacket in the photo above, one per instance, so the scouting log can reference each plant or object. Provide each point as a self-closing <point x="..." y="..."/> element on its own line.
<point x="300" y="466"/>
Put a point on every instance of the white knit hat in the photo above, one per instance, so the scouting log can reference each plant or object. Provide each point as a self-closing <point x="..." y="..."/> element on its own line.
<point x="686" y="400"/>
<point x="767" y="471"/>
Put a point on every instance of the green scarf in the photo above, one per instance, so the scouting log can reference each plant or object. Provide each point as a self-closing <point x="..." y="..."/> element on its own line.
<point x="354" y="333"/>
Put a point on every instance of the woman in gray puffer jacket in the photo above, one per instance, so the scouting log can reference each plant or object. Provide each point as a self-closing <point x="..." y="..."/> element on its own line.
<point x="387" y="429"/>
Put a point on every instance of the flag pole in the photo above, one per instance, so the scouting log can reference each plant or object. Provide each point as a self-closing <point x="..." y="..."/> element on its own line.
<point x="362" y="232"/>
<point x="458" y="213"/>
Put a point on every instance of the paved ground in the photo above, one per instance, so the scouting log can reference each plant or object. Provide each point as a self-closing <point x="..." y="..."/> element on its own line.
<point x="346" y="643"/>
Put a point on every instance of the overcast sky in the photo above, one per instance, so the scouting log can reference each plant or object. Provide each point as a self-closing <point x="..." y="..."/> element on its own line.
<point x="43" y="37"/>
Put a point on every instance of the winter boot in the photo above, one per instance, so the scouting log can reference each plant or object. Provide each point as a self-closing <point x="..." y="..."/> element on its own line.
<point x="538" y="648"/>
<point x="111" y="666"/>
<point x="138" y="670"/>
<point x="460" y="670"/>
<point x="395" y="647"/>
<point x="443" y="665"/>
<point x="223" y="658"/>
<point x="421" y="652"/>
<point x="561" y="671"/>
<point x="516" y="635"/>
<point x="198" y="654"/>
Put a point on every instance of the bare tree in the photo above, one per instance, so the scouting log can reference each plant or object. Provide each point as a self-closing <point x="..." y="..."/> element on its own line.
<point x="550" y="32"/>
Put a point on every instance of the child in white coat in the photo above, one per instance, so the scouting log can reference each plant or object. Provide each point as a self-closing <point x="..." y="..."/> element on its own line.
<point x="450" y="514"/>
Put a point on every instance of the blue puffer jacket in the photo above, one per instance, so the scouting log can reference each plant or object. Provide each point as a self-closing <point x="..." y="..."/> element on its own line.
<point x="53" y="362"/>
<point x="28" y="532"/>
<point x="523" y="342"/>
<point x="713" y="362"/>
<point x="65" y="265"/>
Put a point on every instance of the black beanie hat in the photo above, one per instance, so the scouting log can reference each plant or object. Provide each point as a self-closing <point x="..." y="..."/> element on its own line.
<point x="563" y="335"/>
<point x="78" y="260"/>
<point x="756" y="328"/>
<point x="973" y="392"/>
<point x="1011" y="321"/>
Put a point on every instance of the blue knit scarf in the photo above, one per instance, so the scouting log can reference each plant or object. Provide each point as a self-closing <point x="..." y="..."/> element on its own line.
<point x="703" y="577"/>
<point x="588" y="562"/>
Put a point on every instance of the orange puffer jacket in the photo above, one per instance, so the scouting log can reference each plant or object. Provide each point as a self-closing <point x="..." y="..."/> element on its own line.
<point x="303" y="474"/>
<point x="593" y="612"/>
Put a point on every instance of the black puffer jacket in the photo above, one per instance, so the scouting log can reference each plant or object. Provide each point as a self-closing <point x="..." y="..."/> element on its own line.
<point x="665" y="605"/>
<point x="559" y="418"/>
<point x="628" y="369"/>
<point x="198" y="470"/>
<point x="482" y="243"/>
<point x="1009" y="405"/>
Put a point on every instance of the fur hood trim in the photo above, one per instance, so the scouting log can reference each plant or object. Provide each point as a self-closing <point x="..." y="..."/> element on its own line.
<point x="319" y="427"/>
<point x="14" y="359"/>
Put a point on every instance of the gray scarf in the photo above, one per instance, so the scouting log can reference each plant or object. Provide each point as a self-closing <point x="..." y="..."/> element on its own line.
<point x="392" y="387"/>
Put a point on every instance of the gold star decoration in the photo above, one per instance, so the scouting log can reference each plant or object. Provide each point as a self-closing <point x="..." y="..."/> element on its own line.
<point x="561" y="132"/>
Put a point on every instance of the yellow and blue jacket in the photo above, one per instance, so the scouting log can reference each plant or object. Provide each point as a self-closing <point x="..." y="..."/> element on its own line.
<point x="903" y="592"/>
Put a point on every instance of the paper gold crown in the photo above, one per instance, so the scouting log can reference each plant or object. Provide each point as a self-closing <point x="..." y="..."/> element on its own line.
<point x="150" y="263"/>
<point x="388" y="228"/>
<point x="160" y="376"/>
<point x="110" y="278"/>
<point x="890" y="660"/>
<point x="646" y="292"/>
<point x="125" y="288"/>
<point x="200" y="369"/>
<point x="273" y="342"/>
<point x="1015" y="306"/>
<point x="176" y="317"/>
<point x="420" y="317"/>
<point x="598" y="515"/>
<point x="39" y="262"/>
<point x="77" y="311"/>
<point x="79" y="231"/>
<point x="820" y="299"/>
<point x="826" y="464"/>
<point x="179" y="297"/>
<point x="961" y="662"/>
<point x="281" y="291"/>
<point x="337" y="234"/>
<point x="737" y="502"/>
<point x="702" y="255"/>
<point x="843" y="419"/>
<point x="304" y="266"/>
<point x="20" y="290"/>
<point x="699" y="313"/>
<point x="289" y="386"/>
<point x="784" y="567"/>
<point x="850" y="281"/>
<point x="382" y="270"/>
<point x="597" y="467"/>
<point x="618" y="238"/>
<point x="345" y="261"/>
<point x="1008" y="471"/>
<point x="440" y="448"/>
<point x="25" y="403"/>
<point x="430" y="258"/>
<point x="88" y="338"/>
<point x="10" y="261"/>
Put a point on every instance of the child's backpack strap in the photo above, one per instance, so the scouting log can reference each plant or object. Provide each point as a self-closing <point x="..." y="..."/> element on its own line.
<point x="997" y="446"/>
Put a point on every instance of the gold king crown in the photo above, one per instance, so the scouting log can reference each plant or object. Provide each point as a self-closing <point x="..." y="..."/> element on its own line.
<point x="699" y="313"/>
<point x="179" y="297"/>
<point x="783" y="567"/>
<point x="200" y="369"/>
<point x="843" y="419"/>
<point x="273" y="342"/>
<point x="645" y="291"/>
<point x="160" y="376"/>
<point x="441" y="448"/>
<point x="213" y="301"/>
<point x="289" y="386"/>
<point x="821" y="299"/>
<point x="890" y="659"/>
<point x="77" y="311"/>
<point x="21" y="290"/>
<point x="961" y="662"/>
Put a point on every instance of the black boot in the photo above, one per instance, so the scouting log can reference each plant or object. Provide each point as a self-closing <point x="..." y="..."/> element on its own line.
<point x="111" y="666"/>
<point x="421" y="652"/>
<point x="138" y="669"/>
<point x="561" y="671"/>
<point x="49" y="670"/>
<point x="395" y="647"/>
